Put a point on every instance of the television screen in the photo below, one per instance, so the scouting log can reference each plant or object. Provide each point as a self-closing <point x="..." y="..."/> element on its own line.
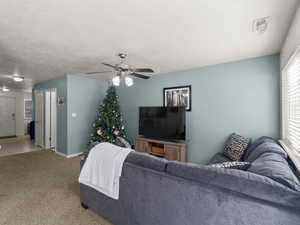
<point x="162" y="122"/>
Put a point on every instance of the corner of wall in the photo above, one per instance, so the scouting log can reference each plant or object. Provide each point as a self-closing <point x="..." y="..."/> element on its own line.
<point x="292" y="39"/>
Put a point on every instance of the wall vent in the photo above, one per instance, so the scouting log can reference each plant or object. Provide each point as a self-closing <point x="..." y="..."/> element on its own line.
<point x="260" y="25"/>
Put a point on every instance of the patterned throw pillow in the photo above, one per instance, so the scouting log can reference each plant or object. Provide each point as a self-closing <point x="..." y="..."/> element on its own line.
<point x="235" y="146"/>
<point x="232" y="165"/>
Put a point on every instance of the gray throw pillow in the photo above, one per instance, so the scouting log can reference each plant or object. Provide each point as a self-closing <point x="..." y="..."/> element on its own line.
<point x="232" y="165"/>
<point x="235" y="146"/>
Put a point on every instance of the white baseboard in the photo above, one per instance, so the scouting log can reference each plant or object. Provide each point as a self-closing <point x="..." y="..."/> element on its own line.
<point x="68" y="156"/>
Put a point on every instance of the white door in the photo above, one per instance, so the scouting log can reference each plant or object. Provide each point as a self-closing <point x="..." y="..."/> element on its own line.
<point x="39" y="118"/>
<point x="7" y="116"/>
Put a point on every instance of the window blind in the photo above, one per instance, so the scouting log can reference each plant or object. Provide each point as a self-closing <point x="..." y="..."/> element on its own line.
<point x="291" y="103"/>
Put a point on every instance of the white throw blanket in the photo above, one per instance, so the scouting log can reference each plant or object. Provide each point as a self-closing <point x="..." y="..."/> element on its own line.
<point x="103" y="168"/>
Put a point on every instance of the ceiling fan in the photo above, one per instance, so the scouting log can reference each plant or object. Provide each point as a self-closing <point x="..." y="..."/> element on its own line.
<point x="125" y="71"/>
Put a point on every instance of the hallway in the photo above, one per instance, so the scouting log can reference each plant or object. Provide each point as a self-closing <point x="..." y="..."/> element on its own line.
<point x="12" y="146"/>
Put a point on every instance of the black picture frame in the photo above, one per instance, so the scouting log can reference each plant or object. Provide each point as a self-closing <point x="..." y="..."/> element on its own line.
<point x="179" y="98"/>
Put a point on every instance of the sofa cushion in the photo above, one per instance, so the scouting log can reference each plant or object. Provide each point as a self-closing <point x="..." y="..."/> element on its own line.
<point x="232" y="165"/>
<point x="219" y="158"/>
<point x="235" y="146"/>
<point x="255" y="144"/>
<point x="276" y="167"/>
<point x="265" y="147"/>
<point x="147" y="161"/>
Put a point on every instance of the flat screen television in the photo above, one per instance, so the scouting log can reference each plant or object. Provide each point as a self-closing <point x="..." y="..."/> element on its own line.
<point x="162" y="122"/>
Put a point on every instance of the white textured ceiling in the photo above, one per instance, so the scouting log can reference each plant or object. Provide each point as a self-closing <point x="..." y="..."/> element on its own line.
<point x="42" y="39"/>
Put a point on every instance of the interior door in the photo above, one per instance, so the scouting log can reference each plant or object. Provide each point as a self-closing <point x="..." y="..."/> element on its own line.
<point x="39" y="118"/>
<point x="7" y="116"/>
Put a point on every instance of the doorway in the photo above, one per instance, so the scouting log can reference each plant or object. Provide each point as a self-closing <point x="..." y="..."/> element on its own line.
<point x="45" y="118"/>
<point x="7" y="116"/>
<point x="39" y="118"/>
<point x="50" y="119"/>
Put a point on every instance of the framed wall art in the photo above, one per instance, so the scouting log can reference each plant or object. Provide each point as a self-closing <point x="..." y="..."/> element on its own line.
<point x="178" y="96"/>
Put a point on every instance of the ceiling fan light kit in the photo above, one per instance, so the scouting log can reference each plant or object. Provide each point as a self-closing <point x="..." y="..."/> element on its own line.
<point x="126" y="72"/>
<point x="116" y="81"/>
<point x="128" y="81"/>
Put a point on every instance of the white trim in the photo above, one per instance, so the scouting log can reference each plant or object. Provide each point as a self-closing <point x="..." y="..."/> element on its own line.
<point x="61" y="154"/>
<point x="293" y="154"/>
<point x="69" y="156"/>
<point x="285" y="143"/>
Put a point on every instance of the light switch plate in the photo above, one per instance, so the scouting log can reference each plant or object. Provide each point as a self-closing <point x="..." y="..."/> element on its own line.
<point x="74" y="115"/>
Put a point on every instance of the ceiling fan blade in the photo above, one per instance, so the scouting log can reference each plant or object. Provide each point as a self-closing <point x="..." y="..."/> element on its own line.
<point x="90" y="73"/>
<point x="140" y="75"/>
<point x="144" y="70"/>
<point x="112" y="66"/>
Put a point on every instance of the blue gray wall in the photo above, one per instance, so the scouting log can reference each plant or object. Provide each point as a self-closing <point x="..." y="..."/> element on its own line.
<point x="83" y="96"/>
<point x="240" y="97"/>
<point x="60" y="84"/>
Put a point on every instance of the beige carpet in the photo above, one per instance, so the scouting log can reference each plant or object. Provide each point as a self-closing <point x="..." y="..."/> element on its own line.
<point x="41" y="188"/>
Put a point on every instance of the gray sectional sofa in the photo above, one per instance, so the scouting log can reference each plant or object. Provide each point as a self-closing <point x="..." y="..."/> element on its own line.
<point x="154" y="191"/>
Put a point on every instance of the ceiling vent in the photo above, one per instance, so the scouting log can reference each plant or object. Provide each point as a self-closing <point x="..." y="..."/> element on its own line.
<point x="260" y="25"/>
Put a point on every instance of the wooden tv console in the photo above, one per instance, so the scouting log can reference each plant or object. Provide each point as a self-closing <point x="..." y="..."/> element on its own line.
<point x="166" y="149"/>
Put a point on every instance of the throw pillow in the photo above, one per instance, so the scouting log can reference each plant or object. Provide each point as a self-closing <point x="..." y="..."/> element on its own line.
<point x="235" y="146"/>
<point x="233" y="165"/>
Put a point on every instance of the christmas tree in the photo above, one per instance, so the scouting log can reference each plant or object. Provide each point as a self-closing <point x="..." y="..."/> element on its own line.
<point x="109" y="123"/>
